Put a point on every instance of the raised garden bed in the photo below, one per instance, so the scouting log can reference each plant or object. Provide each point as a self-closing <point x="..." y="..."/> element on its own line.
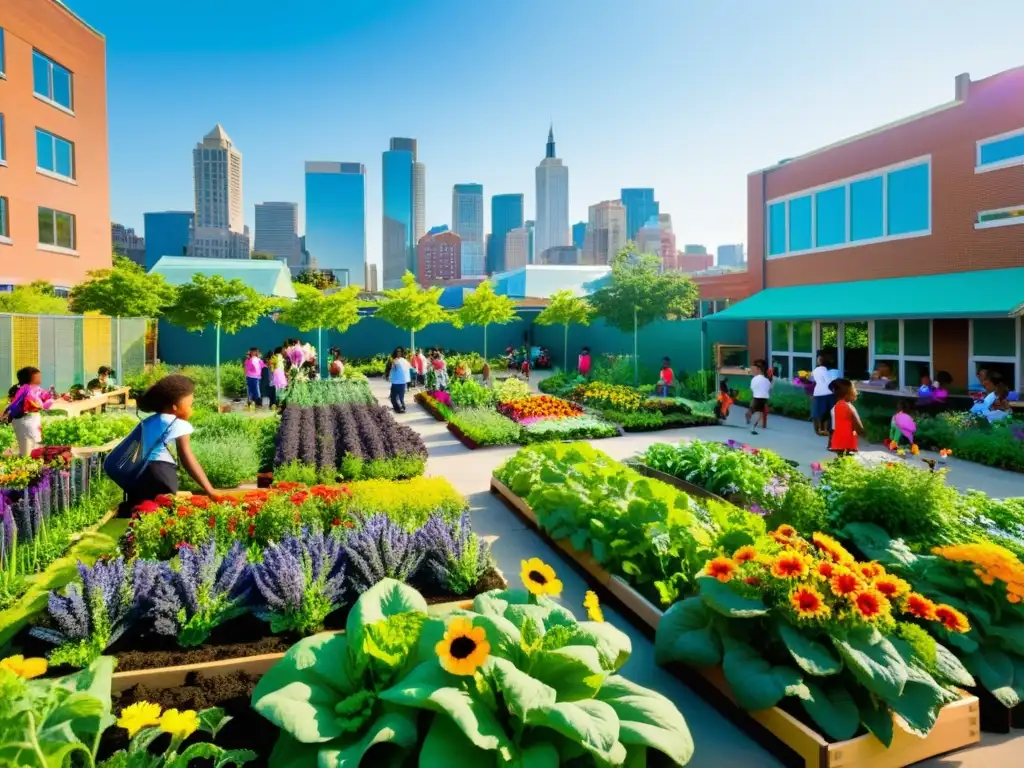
<point x="775" y="729"/>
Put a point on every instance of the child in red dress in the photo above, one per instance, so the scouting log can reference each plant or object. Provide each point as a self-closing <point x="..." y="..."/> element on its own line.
<point x="846" y="423"/>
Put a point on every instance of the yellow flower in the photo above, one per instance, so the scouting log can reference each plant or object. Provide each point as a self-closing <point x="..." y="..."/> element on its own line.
<point x="137" y="716"/>
<point x="593" y="606"/>
<point x="828" y="546"/>
<point x="808" y="603"/>
<point x="180" y="725"/>
<point x="721" y="568"/>
<point x="952" y="619"/>
<point x="891" y="586"/>
<point x="789" y="565"/>
<point x="870" y="604"/>
<point x="464" y="647"/>
<point x="539" y="577"/>
<point x="22" y="667"/>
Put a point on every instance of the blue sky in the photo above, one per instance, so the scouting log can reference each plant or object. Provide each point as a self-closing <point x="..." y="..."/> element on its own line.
<point x="686" y="96"/>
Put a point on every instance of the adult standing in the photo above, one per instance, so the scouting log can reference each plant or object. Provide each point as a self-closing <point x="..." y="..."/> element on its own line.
<point x="824" y="399"/>
<point x="399" y="380"/>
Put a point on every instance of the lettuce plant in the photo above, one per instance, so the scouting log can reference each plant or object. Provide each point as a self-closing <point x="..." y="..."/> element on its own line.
<point x="382" y="549"/>
<point x="301" y="581"/>
<point x="203" y="593"/>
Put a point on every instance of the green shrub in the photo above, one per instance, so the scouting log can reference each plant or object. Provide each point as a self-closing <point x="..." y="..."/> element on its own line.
<point x="573" y="428"/>
<point x="469" y="394"/>
<point x="352" y="468"/>
<point x="485" y="426"/>
<point x="512" y="389"/>
<point x="228" y="462"/>
<point x="260" y="429"/>
<point x="306" y="393"/>
<point x="307" y="474"/>
<point x="6" y="437"/>
<point x="87" y="430"/>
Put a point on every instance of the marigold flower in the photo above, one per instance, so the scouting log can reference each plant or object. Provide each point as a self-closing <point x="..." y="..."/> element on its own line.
<point x="808" y="603"/>
<point x="200" y="502"/>
<point x="919" y="606"/>
<point x="870" y="604"/>
<point x="744" y="554"/>
<point x="845" y="582"/>
<point x="721" y="568"/>
<point x="952" y="619"/>
<point x="824" y="570"/>
<point x="137" y="716"/>
<point x="831" y="548"/>
<point x="164" y="500"/>
<point x="789" y="565"/>
<point x="147" y="508"/>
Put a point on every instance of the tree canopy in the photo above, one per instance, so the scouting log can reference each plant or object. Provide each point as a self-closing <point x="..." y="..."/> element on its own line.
<point x="484" y="307"/>
<point x="125" y="290"/>
<point x="33" y="299"/>
<point x="210" y="299"/>
<point x="638" y="286"/>
<point x="316" y="278"/>
<point x="314" y="309"/>
<point x="412" y="308"/>
<point x="565" y="309"/>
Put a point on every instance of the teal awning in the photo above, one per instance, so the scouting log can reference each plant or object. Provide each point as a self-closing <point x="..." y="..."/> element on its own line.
<point x="982" y="293"/>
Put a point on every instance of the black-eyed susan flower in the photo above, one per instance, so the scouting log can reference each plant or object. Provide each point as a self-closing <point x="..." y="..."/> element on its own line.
<point x="137" y="716"/>
<point x="808" y="603"/>
<point x="24" y="668"/>
<point x="464" y="647"/>
<point x="593" y="606"/>
<point x="539" y="577"/>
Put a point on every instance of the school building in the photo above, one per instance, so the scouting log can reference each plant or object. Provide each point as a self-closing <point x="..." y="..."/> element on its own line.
<point x="903" y="245"/>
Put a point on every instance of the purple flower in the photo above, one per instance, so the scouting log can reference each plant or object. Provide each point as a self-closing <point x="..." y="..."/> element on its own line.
<point x="382" y="549"/>
<point x="757" y="509"/>
<point x="446" y="544"/>
<point x="731" y="443"/>
<point x="775" y="487"/>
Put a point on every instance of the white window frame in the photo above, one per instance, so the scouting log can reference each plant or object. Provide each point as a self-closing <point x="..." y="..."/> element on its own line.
<point x="790" y="354"/>
<point x="3" y="140"/>
<point x="885" y="238"/>
<point x="48" y="97"/>
<point x="902" y="358"/>
<point x="53" y="247"/>
<point x="5" y="221"/>
<point x="52" y="172"/>
<point x="1008" y="163"/>
<point x="3" y="55"/>
<point x="1010" y="221"/>
<point x="1015" y="359"/>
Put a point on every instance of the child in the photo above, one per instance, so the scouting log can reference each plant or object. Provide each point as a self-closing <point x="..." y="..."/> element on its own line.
<point x="584" y="362"/>
<point x="254" y="366"/>
<point x="170" y="402"/>
<point x="28" y="400"/>
<point x="725" y="400"/>
<point x="337" y="366"/>
<point x="846" y="423"/>
<point x="665" y="377"/>
<point x="525" y="368"/>
<point x="278" y="378"/>
<point x="101" y="382"/>
<point x="267" y="382"/>
<point x="761" y="391"/>
<point x="902" y="426"/>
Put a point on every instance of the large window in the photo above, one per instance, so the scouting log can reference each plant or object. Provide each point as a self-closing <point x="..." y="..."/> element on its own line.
<point x="902" y="349"/>
<point x="56" y="228"/>
<point x="995" y="345"/>
<point x="52" y="81"/>
<point x="3" y="57"/>
<point x="792" y="348"/>
<point x="888" y="203"/>
<point x="54" y="154"/>
<point x="1000" y="151"/>
<point x="3" y="140"/>
<point x="5" y="227"/>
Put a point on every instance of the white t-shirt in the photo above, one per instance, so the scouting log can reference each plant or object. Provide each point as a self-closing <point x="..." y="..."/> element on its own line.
<point x="821" y="381"/>
<point x="400" y="371"/>
<point x="761" y="387"/>
<point x="154" y="439"/>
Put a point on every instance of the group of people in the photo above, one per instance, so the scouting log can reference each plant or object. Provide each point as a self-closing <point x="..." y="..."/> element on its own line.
<point x="406" y="372"/>
<point x="269" y="373"/>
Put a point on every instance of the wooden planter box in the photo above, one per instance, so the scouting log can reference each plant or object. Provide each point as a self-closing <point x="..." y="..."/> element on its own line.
<point x="170" y="677"/>
<point x="428" y="408"/>
<point x="793" y="742"/>
<point x="675" y="482"/>
<point x="463" y="438"/>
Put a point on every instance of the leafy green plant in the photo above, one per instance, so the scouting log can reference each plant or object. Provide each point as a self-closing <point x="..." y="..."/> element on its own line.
<point x="511" y="389"/>
<point x="485" y="426"/>
<point x="306" y="393"/>
<point x="466" y="393"/>
<point x="573" y="428"/>
<point x="228" y="462"/>
<point x="87" y="430"/>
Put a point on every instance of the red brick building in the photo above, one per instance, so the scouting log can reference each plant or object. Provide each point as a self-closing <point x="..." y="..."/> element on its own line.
<point x="900" y="246"/>
<point x="439" y="257"/>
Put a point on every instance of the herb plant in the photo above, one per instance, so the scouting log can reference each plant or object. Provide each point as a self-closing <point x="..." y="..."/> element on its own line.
<point x="485" y="426"/>
<point x="381" y="549"/>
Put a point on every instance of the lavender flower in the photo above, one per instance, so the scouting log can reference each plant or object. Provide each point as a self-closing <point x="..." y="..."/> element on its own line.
<point x="775" y="487"/>
<point x="301" y="581"/>
<point x="757" y="509"/>
<point x="453" y="554"/>
<point x="382" y="549"/>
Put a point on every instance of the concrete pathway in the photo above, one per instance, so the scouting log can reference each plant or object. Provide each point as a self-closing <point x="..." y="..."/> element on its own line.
<point x="718" y="743"/>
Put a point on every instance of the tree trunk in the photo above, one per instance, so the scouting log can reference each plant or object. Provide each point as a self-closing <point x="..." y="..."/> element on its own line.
<point x="320" y="349"/>
<point x="565" y="347"/>
<point x="412" y="338"/>
<point x="217" y="364"/>
<point x="485" y="341"/>
<point x="636" y="360"/>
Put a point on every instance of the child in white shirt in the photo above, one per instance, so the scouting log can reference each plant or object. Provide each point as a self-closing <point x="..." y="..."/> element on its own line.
<point x="761" y="391"/>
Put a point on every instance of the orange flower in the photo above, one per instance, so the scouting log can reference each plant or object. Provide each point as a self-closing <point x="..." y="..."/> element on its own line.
<point x="871" y="604"/>
<point x="752" y="581"/>
<point x="952" y="619"/>
<point x="808" y="603"/>
<point x="845" y="582"/>
<point x="789" y="566"/>
<point x="721" y="568"/>
<point x="871" y="570"/>
<point x="891" y="586"/>
<point x="744" y="554"/>
<point x="828" y="546"/>
<point x="824" y="570"/>
<point x="783" y="534"/>
<point x="919" y="606"/>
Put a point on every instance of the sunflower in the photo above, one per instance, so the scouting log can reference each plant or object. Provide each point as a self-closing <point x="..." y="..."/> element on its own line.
<point x="137" y="716"/>
<point x="721" y="568"/>
<point x="593" y="606"/>
<point x="952" y="619"/>
<point x="789" y="566"/>
<point x="835" y="551"/>
<point x="744" y="554"/>
<point x="870" y="604"/>
<point x="464" y="647"/>
<point x="919" y="606"/>
<point x="845" y="582"/>
<point x="24" y="668"/>
<point x="539" y="577"/>
<point x="891" y="586"/>
<point x="808" y="603"/>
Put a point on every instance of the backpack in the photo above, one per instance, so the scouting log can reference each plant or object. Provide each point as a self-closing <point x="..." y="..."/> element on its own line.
<point x="126" y="463"/>
<point x="17" y="407"/>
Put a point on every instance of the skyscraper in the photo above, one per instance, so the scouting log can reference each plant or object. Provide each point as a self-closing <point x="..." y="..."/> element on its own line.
<point x="552" y="200"/>
<point x="126" y="243"/>
<point x="217" y="167"/>
<point x="468" y="223"/>
<point x="579" y="234"/>
<point x="731" y="255"/>
<point x="517" y="248"/>
<point x="167" y="234"/>
<point x="336" y="219"/>
<point x="640" y="207"/>
<point x="419" y="200"/>
<point x="531" y="254"/>
<point x="399" y="248"/>
<point x="657" y="237"/>
<point x="439" y="257"/>
<point x="506" y="215"/>
<point x="277" y="232"/>
<point x="606" y="232"/>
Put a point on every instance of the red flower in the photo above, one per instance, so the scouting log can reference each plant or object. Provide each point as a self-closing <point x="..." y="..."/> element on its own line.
<point x="183" y="545"/>
<point x="164" y="500"/>
<point x="212" y="521"/>
<point x="336" y="522"/>
<point x="252" y="530"/>
<point x="232" y="525"/>
<point x="252" y="511"/>
<point x="147" y="507"/>
<point x="163" y="532"/>
<point x="184" y="512"/>
<point x="288" y="486"/>
<point x="200" y="502"/>
<point x="299" y="498"/>
<point x="349" y="524"/>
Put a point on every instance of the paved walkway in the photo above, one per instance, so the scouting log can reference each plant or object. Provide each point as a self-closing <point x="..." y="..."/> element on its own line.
<point x="718" y="743"/>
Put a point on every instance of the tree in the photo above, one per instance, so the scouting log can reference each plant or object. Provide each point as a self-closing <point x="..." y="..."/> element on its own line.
<point x="639" y="293"/>
<point x="228" y="305"/>
<point x="125" y="290"/>
<point x="261" y="256"/>
<point x="316" y="278"/>
<point x="313" y="309"/>
<point x="412" y="308"/>
<point x="566" y="309"/>
<point x="33" y="299"/>
<point x="485" y="307"/>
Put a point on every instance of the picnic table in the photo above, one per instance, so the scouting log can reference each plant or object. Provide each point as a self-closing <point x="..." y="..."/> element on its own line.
<point x="96" y="404"/>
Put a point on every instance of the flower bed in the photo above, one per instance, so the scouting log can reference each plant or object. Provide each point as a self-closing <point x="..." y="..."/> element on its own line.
<point x="527" y="410"/>
<point x="571" y="428"/>
<point x="305" y="393"/>
<point x="434" y="404"/>
<point x="480" y="427"/>
<point x="350" y="441"/>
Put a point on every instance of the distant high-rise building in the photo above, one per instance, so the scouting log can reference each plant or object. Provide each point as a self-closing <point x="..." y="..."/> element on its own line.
<point x="468" y="224"/>
<point x="217" y="167"/>
<point x="531" y="253"/>
<point x="606" y="232"/>
<point x="167" y="234"/>
<point x="657" y="237"/>
<point x="579" y="234"/>
<point x="731" y="255"/>
<point x="517" y="248"/>
<point x="126" y="243"/>
<point x="419" y="200"/>
<point x="219" y="243"/>
<point x="439" y="257"/>
<point x="694" y="248"/>
<point x="640" y="207"/>
<point x="277" y="232"/>
<point x="370" y="281"/>
<point x="336" y="219"/>
<point x="560" y="254"/>
<point x="552" y="200"/>
<point x="506" y="215"/>
<point x="399" y="248"/>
